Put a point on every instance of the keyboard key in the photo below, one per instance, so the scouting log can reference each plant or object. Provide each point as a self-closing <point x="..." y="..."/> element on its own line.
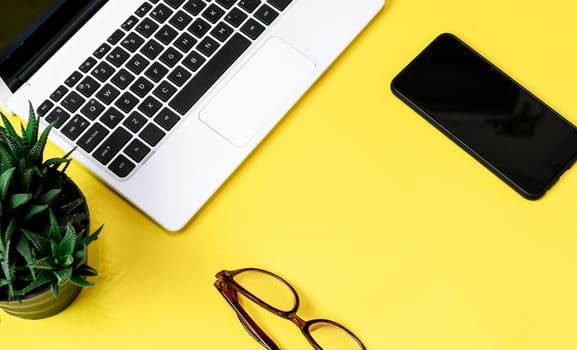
<point x="103" y="71"/>
<point x="44" y="108"/>
<point x="141" y="87"/>
<point x="72" y="102"/>
<point x="280" y="4"/>
<point x="185" y="42"/>
<point x="92" y="137"/>
<point x="166" y="35"/>
<point x="152" y="49"/>
<point x="107" y="94"/>
<point x="115" y="37"/>
<point x="167" y="119"/>
<point x="58" y="116"/>
<point x="249" y="5"/>
<point x="164" y="91"/>
<point x="134" y="122"/>
<point x="132" y="42"/>
<point x="193" y="61"/>
<point x="149" y="106"/>
<point x="207" y="46"/>
<point x="137" y="64"/>
<point x="235" y="17"/>
<point x="156" y="72"/>
<point x="147" y="27"/>
<point x="213" y="13"/>
<point x="151" y="134"/>
<point x="143" y="9"/>
<point x="59" y="93"/>
<point x="74" y="127"/>
<point x="209" y="74"/>
<point x="126" y="102"/>
<point x="199" y="28"/>
<point x="117" y="57"/>
<point x="102" y="50"/>
<point x="222" y="31"/>
<point x="87" y="86"/>
<point x="161" y="13"/>
<point x="121" y="166"/>
<point x="180" y="20"/>
<point x="266" y="14"/>
<point x="87" y="65"/>
<point x="226" y="3"/>
<point x="129" y="23"/>
<point x="111" y="118"/>
<point x="170" y="57"/>
<point x="112" y="145"/>
<point x="174" y="3"/>
<point x="137" y="150"/>
<point x="252" y="29"/>
<point x="179" y="76"/>
<point x="73" y="79"/>
<point x="92" y="109"/>
<point x="122" y="79"/>
<point x="194" y="7"/>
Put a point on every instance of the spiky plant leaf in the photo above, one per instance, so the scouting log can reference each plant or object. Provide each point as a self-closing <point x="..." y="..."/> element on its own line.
<point x="19" y="199"/>
<point x="37" y="151"/>
<point x="43" y="278"/>
<point x="23" y="247"/>
<point x="85" y="270"/>
<point x="5" y="180"/>
<point x="63" y="275"/>
<point x="38" y="241"/>
<point x="8" y="129"/>
<point x="80" y="282"/>
<point x="32" y="126"/>
<point x="35" y="210"/>
<point x="66" y="246"/>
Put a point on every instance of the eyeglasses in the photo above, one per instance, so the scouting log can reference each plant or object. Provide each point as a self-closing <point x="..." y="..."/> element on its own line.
<point x="277" y="296"/>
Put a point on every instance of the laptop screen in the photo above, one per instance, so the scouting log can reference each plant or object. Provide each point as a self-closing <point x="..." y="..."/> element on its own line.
<point x="31" y="31"/>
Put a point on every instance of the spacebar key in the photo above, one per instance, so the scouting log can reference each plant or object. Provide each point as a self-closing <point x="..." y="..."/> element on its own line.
<point x="209" y="74"/>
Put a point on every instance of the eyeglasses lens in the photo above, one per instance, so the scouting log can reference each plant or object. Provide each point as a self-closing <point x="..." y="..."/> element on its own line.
<point x="267" y="288"/>
<point x="333" y="337"/>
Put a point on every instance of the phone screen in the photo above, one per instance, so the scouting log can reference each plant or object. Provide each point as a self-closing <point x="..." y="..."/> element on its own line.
<point x="501" y="124"/>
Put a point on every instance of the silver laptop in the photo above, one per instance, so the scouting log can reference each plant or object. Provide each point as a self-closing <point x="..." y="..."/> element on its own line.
<point x="163" y="99"/>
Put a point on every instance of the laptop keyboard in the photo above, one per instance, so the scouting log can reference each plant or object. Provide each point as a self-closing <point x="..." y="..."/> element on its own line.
<point x="133" y="90"/>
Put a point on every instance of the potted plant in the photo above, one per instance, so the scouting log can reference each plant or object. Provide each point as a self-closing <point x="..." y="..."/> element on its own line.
<point x="44" y="225"/>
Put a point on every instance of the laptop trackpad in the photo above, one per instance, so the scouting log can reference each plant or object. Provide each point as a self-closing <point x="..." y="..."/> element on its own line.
<point x="275" y="75"/>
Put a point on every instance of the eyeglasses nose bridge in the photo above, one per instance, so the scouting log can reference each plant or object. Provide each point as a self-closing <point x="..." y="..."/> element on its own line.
<point x="297" y="320"/>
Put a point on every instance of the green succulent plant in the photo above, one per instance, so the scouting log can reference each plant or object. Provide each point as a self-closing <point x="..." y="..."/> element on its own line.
<point x="42" y="237"/>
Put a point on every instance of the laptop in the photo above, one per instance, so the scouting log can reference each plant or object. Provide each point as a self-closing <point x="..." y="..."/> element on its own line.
<point x="163" y="99"/>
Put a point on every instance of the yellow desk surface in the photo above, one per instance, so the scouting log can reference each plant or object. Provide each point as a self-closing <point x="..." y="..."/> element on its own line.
<point x="378" y="220"/>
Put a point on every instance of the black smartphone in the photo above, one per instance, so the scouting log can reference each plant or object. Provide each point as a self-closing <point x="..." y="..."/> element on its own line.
<point x="501" y="124"/>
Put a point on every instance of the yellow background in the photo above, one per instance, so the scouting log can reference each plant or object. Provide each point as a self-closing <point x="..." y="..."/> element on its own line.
<point x="378" y="220"/>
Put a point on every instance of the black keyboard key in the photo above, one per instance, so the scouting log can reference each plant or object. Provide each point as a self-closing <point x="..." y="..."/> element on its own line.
<point x="111" y="118"/>
<point x="180" y="20"/>
<point x="92" y="109"/>
<point x="143" y="9"/>
<point x="193" y="61"/>
<point x="92" y="137"/>
<point x="213" y="13"/>
<point x="75" y="127"/>
<point x="129" y="23"/>
<point x="126" y="102"/>
<point x="122" y="79"/>
<point x="117" y="57"/>
<point x="170" y="57"/>
<point x="103" y="71"/>
<point x="73" y="79"/>
<point x="132" y="42"/>
<point x="112" y="145"/>
<point x="59" y="93"/>
<point x="87" y="86"/>
<point x="134" y="122"/>
<point x="207" y="46"/>
<point x="194" y="7"/>
<point x="266" y="14"/>
<point x="137" y="150"/>
<point x="87" y="65"/>
<point x="164" y="91"/>
<point x="149" y="106"/>
<point x="185" y="42"/>
<point x="161" y="13"/>
<point x="280" y="4"/>
<point x="166" y="35"/>
<point x="199" y="28"/>
<point x="137" y="64"/>
<point x="235" y="17"/>
<point x="147" y="27"/>
<point x="107" y="94"/>
<point x="72" y="102"/>
<point x="226" y="3"/>
<point x="115" y="37"/>
<point x="166" y="119"/>
<point x="156" y="72"/>
<point x="222" y="31"/>
<point x="179" y="76"/>
<point x="58" y="116"/>
<point x="152" y="49"/>
<point x="252" y="29"/>
<point x="151" y="134"/>
<point x="44" y="108"/>
<point x="141" y="87"/>
<point x="209" y="74"/>
<point x="249" y="5"/>
<point x="102" y="50"/>
<point x="121" y="166"/>
<point x="174" y="3"/>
